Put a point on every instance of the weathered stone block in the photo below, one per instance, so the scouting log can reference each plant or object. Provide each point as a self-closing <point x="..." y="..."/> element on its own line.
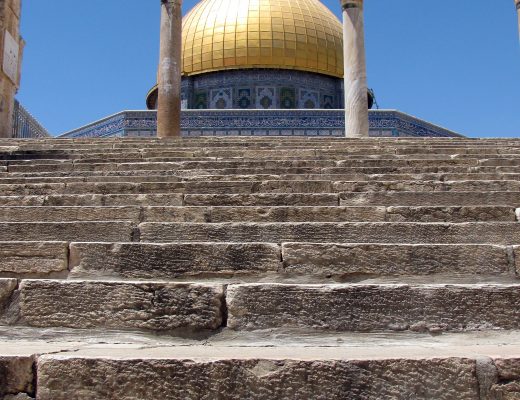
<point x="295" y="214"/>
<point x="368" y="308"/>
<point x="511" y="199"/>
<point x="63" y="378"/>
<point x="57" y="214"/>
<point x="121" y="305"/>
<point x="66" y="231"/>
<point x="374" y="260"/>
<point x="346" y="232"/>
<point x="114" y="200"/>
<point x="262" y="199"/>
<point x="39" y="258"/>
<point x="16" y="376"/>
<point x="168" y="261"/>
<point x="451" y="214"/>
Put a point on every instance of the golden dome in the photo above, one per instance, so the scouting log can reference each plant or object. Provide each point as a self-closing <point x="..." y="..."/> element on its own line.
<point x="236" y="34"/>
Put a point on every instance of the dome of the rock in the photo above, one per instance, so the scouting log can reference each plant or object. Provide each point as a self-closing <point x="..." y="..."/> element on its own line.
<point x="236" y="34"/>
<point x="260" y="54"/>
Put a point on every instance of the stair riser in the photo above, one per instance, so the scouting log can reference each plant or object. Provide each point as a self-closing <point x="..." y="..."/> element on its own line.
<point x="365" y="308"/>
<point x="311" y="261"/>
<point x="418" y="199"/>
<point x="412" y="233"/>
<point x="67" y="231"/>
<point x="257" y="378"/>
<point x="119" y="305"/>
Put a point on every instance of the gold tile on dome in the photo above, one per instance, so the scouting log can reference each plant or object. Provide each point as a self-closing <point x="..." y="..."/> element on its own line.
<point x="296" y="34"/>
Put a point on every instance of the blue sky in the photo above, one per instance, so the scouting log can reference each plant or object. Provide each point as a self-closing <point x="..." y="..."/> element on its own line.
<point x="455" y="63"/>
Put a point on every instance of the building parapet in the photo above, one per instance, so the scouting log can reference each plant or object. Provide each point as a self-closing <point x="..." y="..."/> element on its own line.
<point x="383" y="123"/>
<point x="25" y="126"/>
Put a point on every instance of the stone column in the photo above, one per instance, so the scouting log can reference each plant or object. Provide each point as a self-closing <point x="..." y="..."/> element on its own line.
<point x="517" y="3"/>
<point x="11" y="48"/>
<point x="170" y="64"/>
<point x="356" y="90"/>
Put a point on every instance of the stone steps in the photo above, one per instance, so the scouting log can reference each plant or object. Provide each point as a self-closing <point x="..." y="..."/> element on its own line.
<point x="395" y="198"/>
<point x="247" y="261"/>
<point x="420" y="370"/>
<point x="512" y="165"/>
<point x="258" y="214"/>
<point x="139" y="177"/>
<point x="507" y="233"/>
<point x="268" y="186"/>
<point x="260" y="268"/>
<point x="168" y="170"/>
<point x="160" y="306"/>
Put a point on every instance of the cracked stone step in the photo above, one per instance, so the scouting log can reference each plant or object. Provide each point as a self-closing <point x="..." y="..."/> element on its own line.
<point x="388" y="165"/>
<point x="262" y="199"/>
<point x="372" y="261"/>
<point x="79" y="231"/>
<point x="326" y="214"/>
<point x="255" y="378"/>
<point x="150" y="306"/>
<point x="57" y="214"/>
<point x="175" y="260"/>
<point x="453" y="367"/>
<point x="309" y="261"/>
<point x="477" y="198"/>
<point x="247" y="170"/>
<point x="139" y="177"/>
<point x="113" y="200"/>
<point x="372" y="158"/>
<point x="257" y="214"/>
<point x="505" y="233"/>
<point x="371" y="308"/>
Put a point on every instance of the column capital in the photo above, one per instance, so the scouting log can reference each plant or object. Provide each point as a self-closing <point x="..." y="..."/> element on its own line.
<point x="345" y="4"/>
<point x="172" y="2"/>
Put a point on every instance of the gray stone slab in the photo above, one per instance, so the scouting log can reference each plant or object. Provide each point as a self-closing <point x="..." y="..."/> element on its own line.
<point x="158" y="187"/>
<point x="262" y="199"/>
<point x="357" y="261"/>
<point x="451" y="214"/>
<point x="66" y="231"/>
<point x="17" y="377"/>
<point x="168" y="261"/>
<point x="61" y="378"/>
<point x="56" y="214"/>
<point x="511" y="199"/>
<point x="31" y="189"/>
<point x="506" y="233"/>
<point x="427" y="186"/>
<point x="22" y="201"/>
<point x="153" y="306"/>
<point x="113" y="200"/>
<point x="368" y="308"/>
<point x="296" y="214"/>
<point x="37" y="258"/>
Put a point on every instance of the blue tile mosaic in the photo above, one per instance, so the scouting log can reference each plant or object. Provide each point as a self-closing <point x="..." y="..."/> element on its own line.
<point x="317" y="122"/>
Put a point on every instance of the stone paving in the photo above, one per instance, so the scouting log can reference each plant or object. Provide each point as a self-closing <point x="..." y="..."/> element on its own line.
<point x="260" y="268"/>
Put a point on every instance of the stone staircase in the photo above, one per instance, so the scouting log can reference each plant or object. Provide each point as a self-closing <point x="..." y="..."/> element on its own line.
<point x="260" y="268"/>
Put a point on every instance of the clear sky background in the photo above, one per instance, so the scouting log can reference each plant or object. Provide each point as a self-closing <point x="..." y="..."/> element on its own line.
<point x="455" y="63"/>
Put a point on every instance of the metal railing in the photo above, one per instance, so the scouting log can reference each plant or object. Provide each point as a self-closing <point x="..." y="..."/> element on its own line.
<point x="25" y="126"/>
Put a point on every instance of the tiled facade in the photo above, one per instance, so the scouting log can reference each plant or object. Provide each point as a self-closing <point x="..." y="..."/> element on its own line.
<point x="383" y="123"/>
<point x="261" y="89"/>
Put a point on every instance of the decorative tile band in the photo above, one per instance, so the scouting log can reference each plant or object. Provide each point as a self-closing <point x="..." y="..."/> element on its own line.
<point x="261" y="122"/>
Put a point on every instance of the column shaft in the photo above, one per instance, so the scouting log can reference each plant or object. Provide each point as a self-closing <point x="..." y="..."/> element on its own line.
<point x="170" y="64"/>
<point x="517" y="4"/>
<point x="356" y="97"/>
